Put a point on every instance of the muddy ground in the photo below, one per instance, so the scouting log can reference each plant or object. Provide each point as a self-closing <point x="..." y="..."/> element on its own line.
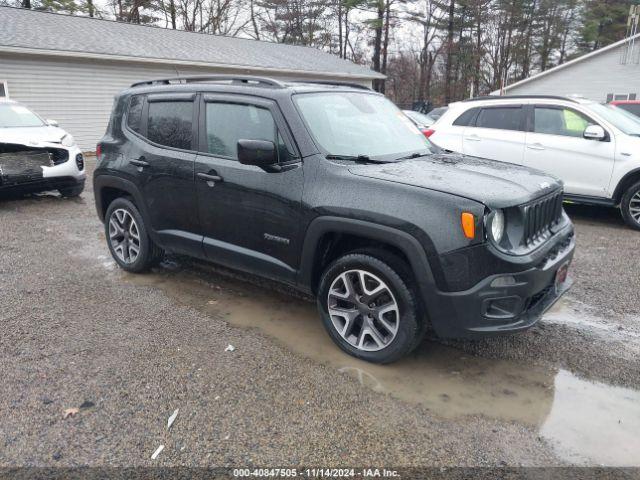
<point x="128" y="350"/>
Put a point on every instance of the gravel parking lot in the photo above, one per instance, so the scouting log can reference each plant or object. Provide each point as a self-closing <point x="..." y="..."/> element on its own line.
<point x="128" y="350"/>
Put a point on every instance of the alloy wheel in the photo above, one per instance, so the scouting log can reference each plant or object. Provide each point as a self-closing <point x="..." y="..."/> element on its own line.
<point x="124" y="235"/>
<point x="634" y="207"/>
<point x="363" y="310"/>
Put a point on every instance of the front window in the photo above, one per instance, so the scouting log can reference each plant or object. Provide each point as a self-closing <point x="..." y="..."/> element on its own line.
<point x="354" y="124"/>
<point x="14" y="115"/>
<point x="227" y="123"/>
<point x="560" y="121"/>
<point x="623" y="121"/>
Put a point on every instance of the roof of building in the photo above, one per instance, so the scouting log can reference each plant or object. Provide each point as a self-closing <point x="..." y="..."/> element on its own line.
<point x="579" y="59"/>
<point x="29" y="31"/>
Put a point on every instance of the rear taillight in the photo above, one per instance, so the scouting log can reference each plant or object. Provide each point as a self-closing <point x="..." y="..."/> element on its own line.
<point x="428" y="132"/>
<point x="98" y="152"/>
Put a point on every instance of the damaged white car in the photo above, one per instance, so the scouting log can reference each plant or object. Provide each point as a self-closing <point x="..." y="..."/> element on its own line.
<point x="36" y="155"/>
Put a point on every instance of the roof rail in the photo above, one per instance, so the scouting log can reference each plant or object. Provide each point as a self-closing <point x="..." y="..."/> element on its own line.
<point x="516" y="97"/>
<point x="329" y="82"/>
<point x="242" y="79"/>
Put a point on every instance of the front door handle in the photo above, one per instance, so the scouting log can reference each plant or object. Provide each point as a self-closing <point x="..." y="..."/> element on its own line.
<point x="535" y="146"/>
<point x="139" y="162"/>
<point x="473" y="138"/>
<point x="210" y="179"/>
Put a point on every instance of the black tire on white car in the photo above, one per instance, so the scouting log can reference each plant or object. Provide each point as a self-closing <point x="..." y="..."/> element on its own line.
<point x="630" y="206"/>
<point x="71" y="192"/>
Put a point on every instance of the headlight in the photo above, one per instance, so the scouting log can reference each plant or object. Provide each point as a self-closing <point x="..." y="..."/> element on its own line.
<point x="68" y="141"/>
<point x="495" y="225"/>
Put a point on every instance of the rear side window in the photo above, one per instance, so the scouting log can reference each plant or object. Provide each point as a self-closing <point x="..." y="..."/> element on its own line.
<point x="466" y="118"/>
<point x="226" y="123"/>
<point x="170" y="124"/>
<point x="559" y="121"/>
<point x="503" y="118"/>
<point x="134" y="114"/>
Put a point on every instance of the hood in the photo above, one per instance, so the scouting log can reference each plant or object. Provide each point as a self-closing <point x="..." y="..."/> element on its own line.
<point x="495" y="184"/>
<point x="31" y="136"/>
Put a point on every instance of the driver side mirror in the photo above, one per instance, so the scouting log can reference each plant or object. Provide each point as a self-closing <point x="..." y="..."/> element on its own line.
<point x="53" y="123"/>
<point x="594" y="132"/>
<point x="260" y="153"/>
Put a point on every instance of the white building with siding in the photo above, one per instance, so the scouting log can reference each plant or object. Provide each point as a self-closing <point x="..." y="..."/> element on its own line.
<point x="610" y="73"/>
<point x="69" y="68"/>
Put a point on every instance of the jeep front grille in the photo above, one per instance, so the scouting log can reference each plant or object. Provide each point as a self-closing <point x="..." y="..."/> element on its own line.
<point x="540" y="216"/>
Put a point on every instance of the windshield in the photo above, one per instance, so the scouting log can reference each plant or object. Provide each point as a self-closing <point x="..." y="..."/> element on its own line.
<point x="623" y="121"/>
<point x="14" y="115"/>
<point x="353" y="124"/>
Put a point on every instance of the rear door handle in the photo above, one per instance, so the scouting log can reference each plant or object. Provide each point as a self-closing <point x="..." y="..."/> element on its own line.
<point x="473" y="138"/>
<point x="210" y="179"/>
<point x="139" y="162"/>
<point x="535" y="146"/>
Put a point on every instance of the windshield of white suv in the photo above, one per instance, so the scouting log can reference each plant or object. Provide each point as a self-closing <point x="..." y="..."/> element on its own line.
<point x="14" y="115"/>
<point x="623" y="121"/>
<point x="362" y="125"/>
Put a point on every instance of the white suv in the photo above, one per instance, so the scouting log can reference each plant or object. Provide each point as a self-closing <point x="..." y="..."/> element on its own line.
<point x="593" y="148"/>
<point x="36" y="154"/>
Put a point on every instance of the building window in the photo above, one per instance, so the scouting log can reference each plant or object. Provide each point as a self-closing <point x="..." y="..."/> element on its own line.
<point x="620" y="96"/>
<point x="4" y="89"/>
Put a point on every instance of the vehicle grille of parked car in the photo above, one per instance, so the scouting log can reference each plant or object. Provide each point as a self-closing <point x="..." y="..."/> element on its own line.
<point x="540" y="216"/>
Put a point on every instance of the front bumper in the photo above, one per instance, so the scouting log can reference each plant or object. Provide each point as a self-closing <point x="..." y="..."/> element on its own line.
<point x="505" y="303"/>
<point x="67" y="173"/>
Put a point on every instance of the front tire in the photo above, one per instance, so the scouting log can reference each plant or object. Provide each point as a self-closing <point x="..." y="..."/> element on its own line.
<point x="630" y="206"/>
<point x="128" y="239"/>
<point x="71" y="192"/>
<point x="368" y="309"/>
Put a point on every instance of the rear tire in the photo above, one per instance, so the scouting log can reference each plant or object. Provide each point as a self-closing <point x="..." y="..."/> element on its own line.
<point x="630" y="206"/>
<point x="71" y="192"/>
<point x="377" y="327"/>
<point x="128" y="238"/>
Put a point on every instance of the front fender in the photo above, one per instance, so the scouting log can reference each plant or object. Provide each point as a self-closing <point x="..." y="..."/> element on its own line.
<point x="416" y="251"/>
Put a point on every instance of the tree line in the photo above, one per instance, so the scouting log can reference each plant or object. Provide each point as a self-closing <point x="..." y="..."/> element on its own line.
<point x="430" y="50"/>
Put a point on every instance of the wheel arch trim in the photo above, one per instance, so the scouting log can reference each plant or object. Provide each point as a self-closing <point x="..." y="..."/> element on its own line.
<point x="405" y="242"/>
<point x="100" y="182"/>
<point x="629" y="179"/>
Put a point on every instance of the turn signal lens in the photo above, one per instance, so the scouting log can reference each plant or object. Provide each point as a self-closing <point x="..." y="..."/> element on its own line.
<point x="468" y="224"/>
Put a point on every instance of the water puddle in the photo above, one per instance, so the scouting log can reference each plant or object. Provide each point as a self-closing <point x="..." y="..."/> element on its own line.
<point x="578" y="315"/>
<point x="585" y="421"/>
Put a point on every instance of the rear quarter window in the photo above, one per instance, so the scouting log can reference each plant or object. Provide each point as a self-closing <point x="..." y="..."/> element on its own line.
<point x="466" y="118"/>
<point x="134" y="113"/>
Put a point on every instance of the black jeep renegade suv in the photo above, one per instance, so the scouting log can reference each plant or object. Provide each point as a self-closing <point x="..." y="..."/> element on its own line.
<point x="331" y="189"/>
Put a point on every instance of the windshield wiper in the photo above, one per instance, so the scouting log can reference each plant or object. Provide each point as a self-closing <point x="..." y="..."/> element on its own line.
<point x="355" y="158"/>
<point x="413" y="155"/>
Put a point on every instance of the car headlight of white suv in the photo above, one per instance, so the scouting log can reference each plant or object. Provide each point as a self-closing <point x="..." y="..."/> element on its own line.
<point x="68" y="141"/>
